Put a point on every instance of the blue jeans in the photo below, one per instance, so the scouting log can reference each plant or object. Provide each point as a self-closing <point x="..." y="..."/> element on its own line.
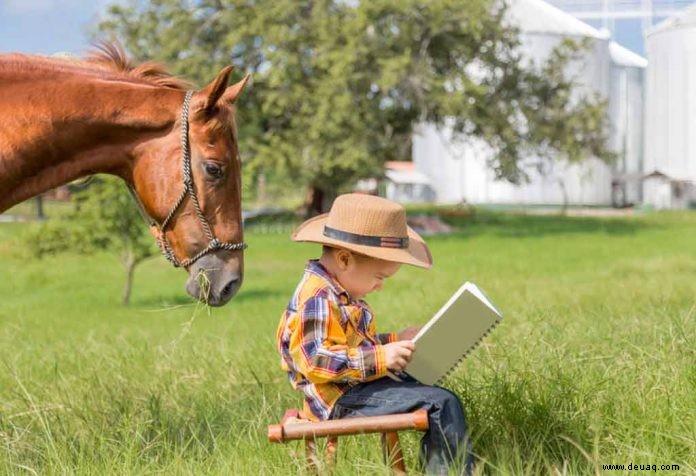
<point x="446" y="441"/>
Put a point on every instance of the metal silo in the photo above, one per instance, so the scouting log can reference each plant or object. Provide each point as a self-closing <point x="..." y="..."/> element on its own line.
<point x="459" y="170"/>
<point x="670" y="139"/>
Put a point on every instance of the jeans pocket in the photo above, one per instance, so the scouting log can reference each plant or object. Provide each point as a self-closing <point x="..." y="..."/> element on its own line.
<point x="365" y="401"/>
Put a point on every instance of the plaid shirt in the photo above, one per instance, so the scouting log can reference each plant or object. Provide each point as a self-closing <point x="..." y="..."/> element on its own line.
<point x="328" y="341"/>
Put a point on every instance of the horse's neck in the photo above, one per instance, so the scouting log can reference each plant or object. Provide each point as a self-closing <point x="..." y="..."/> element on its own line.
<point x="56" y="129"/>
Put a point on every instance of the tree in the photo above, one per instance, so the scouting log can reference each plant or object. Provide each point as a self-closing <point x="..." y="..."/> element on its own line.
<point x="105" y="219"/>
<point x="338" y="86"/>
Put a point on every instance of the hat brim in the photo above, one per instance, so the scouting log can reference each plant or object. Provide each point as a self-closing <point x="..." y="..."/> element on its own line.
<point x="417" y="253"/>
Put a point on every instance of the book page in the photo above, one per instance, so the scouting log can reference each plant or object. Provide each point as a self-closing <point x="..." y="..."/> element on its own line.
<point x="441" y="311"/>
<point x="453" y="332"/>
<point x="467" y="286"/>
<point x="479" y="294"/>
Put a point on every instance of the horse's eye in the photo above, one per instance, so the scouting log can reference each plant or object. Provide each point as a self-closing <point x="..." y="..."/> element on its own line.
<point x="213" y="170"/>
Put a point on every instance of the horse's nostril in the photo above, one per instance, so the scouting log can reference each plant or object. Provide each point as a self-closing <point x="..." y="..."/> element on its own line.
<point x="230" y="288"/>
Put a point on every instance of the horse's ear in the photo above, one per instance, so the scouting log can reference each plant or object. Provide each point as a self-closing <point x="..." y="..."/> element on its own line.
<point x="216" y="88"/>
<point x="232" y="93"/>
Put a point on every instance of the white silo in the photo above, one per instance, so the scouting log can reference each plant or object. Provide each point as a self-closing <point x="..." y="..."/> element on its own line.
<point x="626" y="117"/>
<point x="670" y="139"/>
<point x="459" y="171"/>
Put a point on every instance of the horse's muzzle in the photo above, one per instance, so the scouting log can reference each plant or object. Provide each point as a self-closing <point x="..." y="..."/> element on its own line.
<point x="215" y="278"/>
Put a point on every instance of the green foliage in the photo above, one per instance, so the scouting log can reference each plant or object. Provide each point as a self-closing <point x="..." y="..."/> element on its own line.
<point x="112" y="220"/>
<point x="577" y="132"/>
<point x="105" y="218"/>
<point x="338" y="86"/>
<point x="54" y="237"/>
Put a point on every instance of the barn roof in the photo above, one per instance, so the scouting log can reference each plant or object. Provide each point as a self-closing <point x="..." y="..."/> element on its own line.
<point x="537" y="16"/>
<point x="685" y="19"/>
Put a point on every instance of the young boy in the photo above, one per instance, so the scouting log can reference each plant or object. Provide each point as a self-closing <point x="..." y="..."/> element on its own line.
<point x="327" y="336"/>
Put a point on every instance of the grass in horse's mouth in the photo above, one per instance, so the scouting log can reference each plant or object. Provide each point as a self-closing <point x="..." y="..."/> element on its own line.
<point x="204" y="286"/>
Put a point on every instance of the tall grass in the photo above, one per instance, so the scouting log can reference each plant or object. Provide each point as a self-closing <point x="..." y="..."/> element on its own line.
<point x="593" y="364"/>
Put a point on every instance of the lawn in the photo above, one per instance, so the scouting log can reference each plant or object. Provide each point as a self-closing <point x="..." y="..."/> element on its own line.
<point x="593" y="364"/>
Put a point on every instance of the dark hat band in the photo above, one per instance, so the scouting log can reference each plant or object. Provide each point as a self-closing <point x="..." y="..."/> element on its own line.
<point x="366" y="240"/>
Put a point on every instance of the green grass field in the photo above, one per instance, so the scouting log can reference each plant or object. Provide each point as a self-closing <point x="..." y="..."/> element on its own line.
<point x="594" y="363"/>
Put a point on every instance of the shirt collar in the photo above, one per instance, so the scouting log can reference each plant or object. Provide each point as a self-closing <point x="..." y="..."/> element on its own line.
<point x="316" y="268"/>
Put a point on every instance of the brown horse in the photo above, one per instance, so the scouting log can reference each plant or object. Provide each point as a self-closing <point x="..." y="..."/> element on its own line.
<point x="62" y="119"/>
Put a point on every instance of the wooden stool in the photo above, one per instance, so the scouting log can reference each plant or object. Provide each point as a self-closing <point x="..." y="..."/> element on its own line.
<point x="295" y="427"/>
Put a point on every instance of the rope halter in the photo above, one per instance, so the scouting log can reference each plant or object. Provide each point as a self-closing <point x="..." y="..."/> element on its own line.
<point x="189" y="189"/>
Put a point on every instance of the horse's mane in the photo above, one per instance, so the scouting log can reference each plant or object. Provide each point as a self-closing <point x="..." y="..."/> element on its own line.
<point x="112" y="56"/>
<point x="109" y="60"/>
<point x="106" y="60"/>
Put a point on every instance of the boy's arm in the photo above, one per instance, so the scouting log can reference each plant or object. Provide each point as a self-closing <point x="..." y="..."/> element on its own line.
<point x="382" y="338"/>
<point x="406" y="334"/>
<point x="319" y="348"/>
<point x="387" y="337"/>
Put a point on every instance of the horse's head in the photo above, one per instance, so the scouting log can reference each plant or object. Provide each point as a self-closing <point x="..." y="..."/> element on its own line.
<point x="197" y="207"/>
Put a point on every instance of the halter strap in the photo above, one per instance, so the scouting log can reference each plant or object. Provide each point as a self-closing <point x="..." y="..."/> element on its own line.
<point x="189" y="189"/>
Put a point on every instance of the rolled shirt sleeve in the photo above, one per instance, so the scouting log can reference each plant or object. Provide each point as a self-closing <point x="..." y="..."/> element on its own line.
<point x="384" y="338"/>
<point x="387" y="338"/>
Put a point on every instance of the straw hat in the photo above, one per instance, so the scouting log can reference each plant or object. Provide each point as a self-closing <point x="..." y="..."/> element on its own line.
<point x="370" y="226"/>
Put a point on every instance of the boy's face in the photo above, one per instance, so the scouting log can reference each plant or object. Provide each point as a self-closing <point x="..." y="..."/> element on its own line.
<point x="360" y="275"/>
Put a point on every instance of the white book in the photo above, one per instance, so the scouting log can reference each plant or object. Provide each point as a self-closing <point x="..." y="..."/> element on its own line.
<point x="454" y="331"/>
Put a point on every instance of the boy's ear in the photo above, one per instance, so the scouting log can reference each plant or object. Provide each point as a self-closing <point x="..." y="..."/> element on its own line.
<point x="343" y="258"/>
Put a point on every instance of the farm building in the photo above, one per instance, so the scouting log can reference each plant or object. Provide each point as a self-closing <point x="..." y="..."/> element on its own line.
<point x="670" y="139"/>
<point x="458" y="171"/>
<point x="403" y="183"/>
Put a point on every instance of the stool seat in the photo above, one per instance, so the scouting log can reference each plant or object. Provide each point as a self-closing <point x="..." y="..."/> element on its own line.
<point x="295" y="427"/>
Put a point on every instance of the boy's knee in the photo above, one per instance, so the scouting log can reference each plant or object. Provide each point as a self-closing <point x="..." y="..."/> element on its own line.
<point x="448" y="402"/>
<point x="445" y="395"/>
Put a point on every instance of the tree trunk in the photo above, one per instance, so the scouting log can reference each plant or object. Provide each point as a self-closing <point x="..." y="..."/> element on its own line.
<point x="317" y="201"/>
<point x="129" y="262"/>
<point x="313" y="202"/>
<point x="261" y="189"/>
<point x="40" y="208"/>
<point x="564" y="208"/>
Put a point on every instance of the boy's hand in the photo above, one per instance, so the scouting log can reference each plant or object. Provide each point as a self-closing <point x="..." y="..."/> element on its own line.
<point x="409" y="333"/>
<point x="398" y="354"/>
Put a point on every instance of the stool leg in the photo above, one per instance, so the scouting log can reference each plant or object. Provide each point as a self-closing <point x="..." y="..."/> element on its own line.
<point x="311" y="454"/>
<point x="392" y="452"/>
<point x="331" y="448"/>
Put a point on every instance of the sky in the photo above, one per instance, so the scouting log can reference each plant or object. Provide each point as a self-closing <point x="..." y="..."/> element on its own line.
<point x="48" y="26"/>
<point x="52" y="26"/>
